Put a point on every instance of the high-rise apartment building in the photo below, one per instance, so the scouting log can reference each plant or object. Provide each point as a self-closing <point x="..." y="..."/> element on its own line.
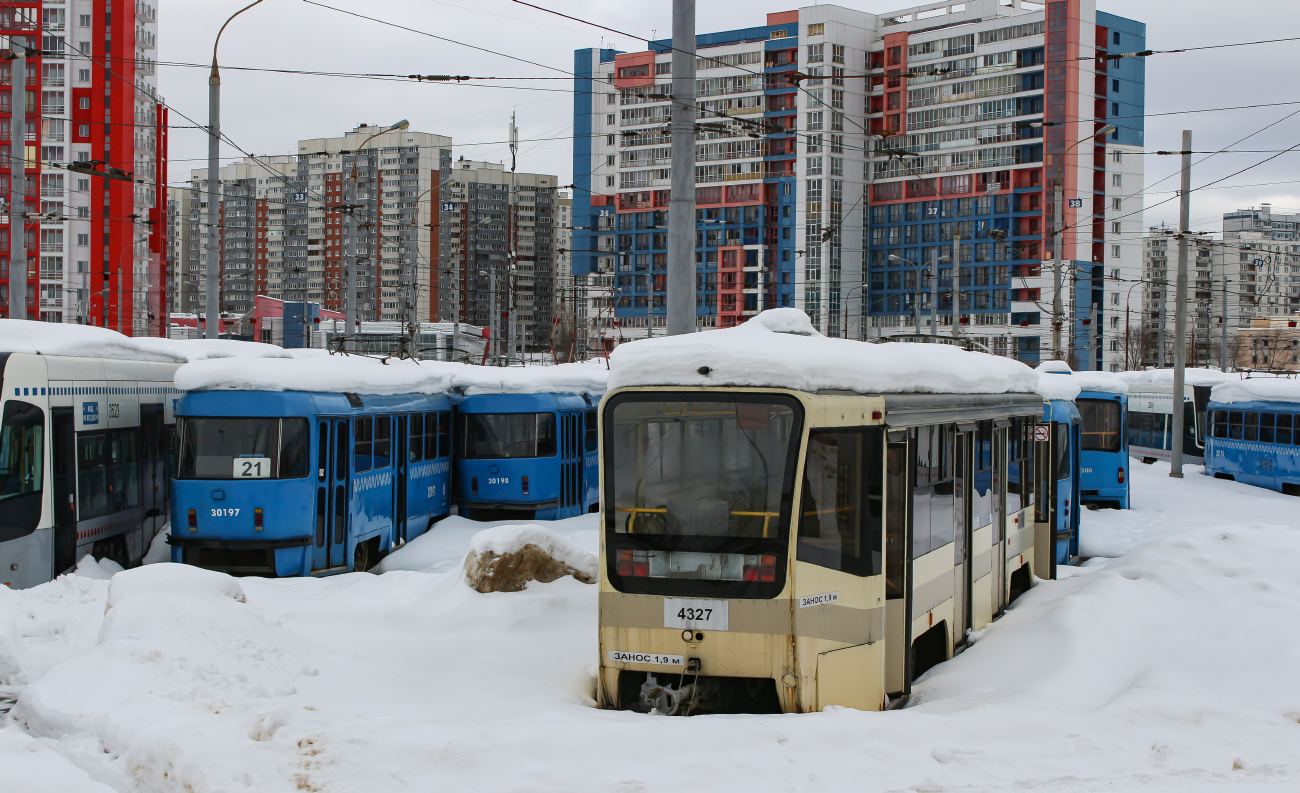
<point x="844" y="159"/>
<point x="292" y="225"/>
<point x="1260" y="256"/>
<point x="1151" y="338"/>
<point x="93" y="238"/>
<point x="500" y="266"/>
<point x="181" y="290"/>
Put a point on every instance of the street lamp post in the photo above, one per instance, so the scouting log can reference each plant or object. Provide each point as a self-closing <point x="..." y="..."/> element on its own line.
<point x="350" y="304"/>
<point x="211" y="298"/>
<point x="1058" y="237"/>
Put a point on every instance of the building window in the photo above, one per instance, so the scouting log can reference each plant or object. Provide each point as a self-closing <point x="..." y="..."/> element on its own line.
<point x="817" y="29"/>
<point x="1116" y="227"/>
<point x="1114" y="108"/>
<point x="837" y="53"/>
<point x="609" y="119"/>
<point x="1117" y="203"/>
<point x="1114" y="251"/>
<point x="609" y="181"/>
<point x="1117" y="180"/>
<point x="1115" y="37"/>
<point x="83" y="102"/>
<point x="814" y="121"/>
<point x="611" y="98"/>
<point x="1114" y="298"/>
<point x="815" y="53"/>
<point x="1117" y="156"/>
<point x="1114" y="86"/>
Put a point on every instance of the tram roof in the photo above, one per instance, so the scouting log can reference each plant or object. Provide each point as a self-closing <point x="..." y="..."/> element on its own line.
<point x="88" y="341"/>
<point x="339" y="374"/>
<point x="780" y="348"/>
<point x="1165" y="377"/>
<point x="1257" y="389"/>
<point x="587" y="377"/>
<point x="1058" y="381"/>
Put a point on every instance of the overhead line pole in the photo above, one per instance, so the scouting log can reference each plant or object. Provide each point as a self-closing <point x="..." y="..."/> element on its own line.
<point x="1180" y="308"/>
<point x="681" y="200"/>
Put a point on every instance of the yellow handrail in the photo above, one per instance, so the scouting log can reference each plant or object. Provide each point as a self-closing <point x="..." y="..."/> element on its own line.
<point x="766" y="516"/>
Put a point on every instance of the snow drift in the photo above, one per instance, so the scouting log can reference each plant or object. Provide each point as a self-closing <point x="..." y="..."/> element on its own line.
<point x="1257" y="389"/>
<point x="333" y="374"/>
<point x="780" y="348"/>
<point x="47" y="338"/>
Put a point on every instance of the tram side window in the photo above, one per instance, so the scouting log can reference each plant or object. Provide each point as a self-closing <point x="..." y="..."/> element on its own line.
<point x="933" y="490"/>
<point x="591" y="430"/>
<point x="1220" y="423"/>
<point x="362" y="430"/>
<point x="1020" y="478"/>
<point x="92" y="478"/>
<point x="124" y="475"/>
<point x="218" y="447"/>
<point x="982" y="489"/>
<point x="416" y="445"/>
<point x="383" y="441"/>
<point x="840" y="518"/>
<point x="1284" y="433"/>
<point x="1266" y="427"/>
<point x="1101" y="423"/>
<point x="1235" y="420"/>
<point x="1252" y="426"/>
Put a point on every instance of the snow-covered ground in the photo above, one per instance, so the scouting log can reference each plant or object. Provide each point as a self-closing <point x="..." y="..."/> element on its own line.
<point x="1172" y="668"/>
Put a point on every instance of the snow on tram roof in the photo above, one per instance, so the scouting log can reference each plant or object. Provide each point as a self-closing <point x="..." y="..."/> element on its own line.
<point x="588" y="377"/>
<point x="1257" y="389"/>
<point x="780" y="348"/>
<point x="356" y="374"/>
<point x="1165" y="377"/>
<point x="88" y="341"/>
<point x="363" y="375"/>
<point x="1058" y="381"/>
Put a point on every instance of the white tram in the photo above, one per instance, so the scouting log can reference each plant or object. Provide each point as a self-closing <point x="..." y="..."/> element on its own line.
<point x="86" y="427"/>
<point x="791" y="521"/>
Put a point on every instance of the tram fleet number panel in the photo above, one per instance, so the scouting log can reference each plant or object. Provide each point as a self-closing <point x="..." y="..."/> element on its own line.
<point x="776" y="551"/>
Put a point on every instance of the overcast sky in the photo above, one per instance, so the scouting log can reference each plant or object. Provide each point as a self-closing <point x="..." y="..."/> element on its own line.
<point x="268" y="113"/>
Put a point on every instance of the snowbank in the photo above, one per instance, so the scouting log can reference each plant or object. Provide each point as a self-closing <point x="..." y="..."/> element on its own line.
<point x="330" y="374"/>
<point x="49" y="338"/>
<point x="27" y="766"/>
<point x="512" y="538"/>
<point x="780" y="348"/>
<point x="1165" y="377"/>
<point x="172" y="579"/>
<point x="590" y="377"/>
<point x="1257" y="389"/>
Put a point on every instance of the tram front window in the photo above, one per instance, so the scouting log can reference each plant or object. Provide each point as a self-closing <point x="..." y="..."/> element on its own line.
<point x="242" y="448"/>
<point x="1101" y="420"/>
<point x="22" y="434"/>
<point x="700" y="488"/>
<point x="506" y="436"/>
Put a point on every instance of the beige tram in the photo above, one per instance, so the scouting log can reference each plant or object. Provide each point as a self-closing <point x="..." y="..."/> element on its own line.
<point x="779" y="550"/>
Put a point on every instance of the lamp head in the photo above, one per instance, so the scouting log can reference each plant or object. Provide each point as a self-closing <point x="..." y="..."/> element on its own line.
<point x="894" y="258"/>
<point x="1106" y="130"/>
<point x="403" y="124"/>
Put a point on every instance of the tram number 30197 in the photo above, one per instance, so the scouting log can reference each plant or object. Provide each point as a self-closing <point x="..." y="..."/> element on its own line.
<point x="227" y="512"/>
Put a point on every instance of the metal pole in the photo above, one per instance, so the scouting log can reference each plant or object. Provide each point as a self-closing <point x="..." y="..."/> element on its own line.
<point x="1164" y="313"/>
<point x="681" y="204"/>
<point x="18" y="194"/>
<point x="512" y="218"/>
<point x="916" y="298"/>
<point x="1058" y="250"/>
<point x="956" y="280"/>
<point x="1180" y="307"/>
<point x="1223" y="337"/>
<point x="493" y="316"/>
<point x="934" y="298"/>
<point x="350" y="259"/>
<point x="212" y="284"/>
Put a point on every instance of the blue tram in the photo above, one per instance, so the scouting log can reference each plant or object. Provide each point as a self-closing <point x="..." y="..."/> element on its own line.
<point x="297" y="483"/>
<point x="1103" y="448"/>
<point x="530" y="456"/>
<point x="1256" y="442"/>
<point x="1057" y="481"/>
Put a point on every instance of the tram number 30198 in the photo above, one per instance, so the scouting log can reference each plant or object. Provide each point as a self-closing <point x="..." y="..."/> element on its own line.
<point x="498" y="480"/>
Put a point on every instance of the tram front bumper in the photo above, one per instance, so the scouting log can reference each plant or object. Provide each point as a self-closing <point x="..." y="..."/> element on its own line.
<point x="244" y="557"/>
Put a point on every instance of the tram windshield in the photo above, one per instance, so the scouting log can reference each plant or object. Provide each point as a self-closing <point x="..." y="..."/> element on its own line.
<point x="699" y="487"/>
<point x="1101" y="425"/>
<point x="242" y="448"/>
<point x="506" y="436"/>
<point x="21" y="449"/>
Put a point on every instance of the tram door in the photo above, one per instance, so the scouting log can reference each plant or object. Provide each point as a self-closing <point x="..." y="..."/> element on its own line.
<point x="65" y="488"/>
<point x="961" y="606"/>
<point x="999" y="505"/>
<point x="898" y="557"/>
<point x="401" y="462"/>
<point x="329" y="548"/>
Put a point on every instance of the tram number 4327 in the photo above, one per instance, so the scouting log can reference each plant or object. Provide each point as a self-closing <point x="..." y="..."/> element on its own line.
<point x="695" y="613"/>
